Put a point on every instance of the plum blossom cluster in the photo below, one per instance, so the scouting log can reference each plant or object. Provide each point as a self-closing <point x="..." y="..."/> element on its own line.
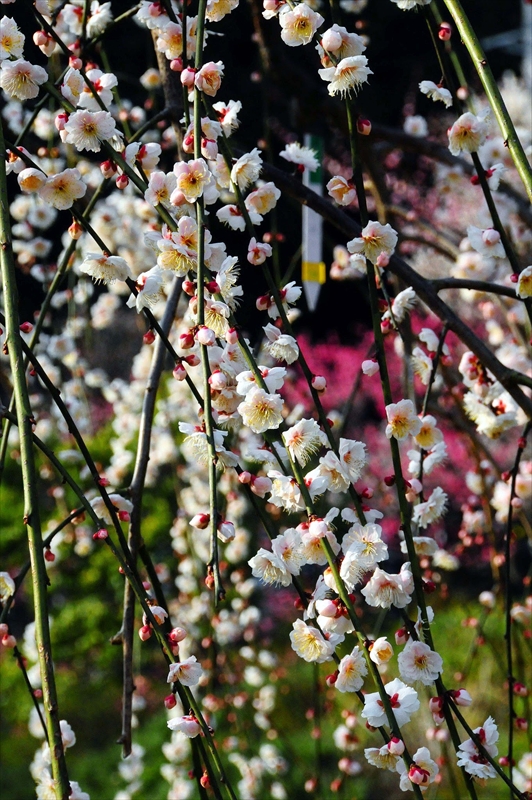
<point x="243" y="462"/>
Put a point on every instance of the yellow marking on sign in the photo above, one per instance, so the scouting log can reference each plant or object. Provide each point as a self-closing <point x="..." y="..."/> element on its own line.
<point x="313" y="271"/>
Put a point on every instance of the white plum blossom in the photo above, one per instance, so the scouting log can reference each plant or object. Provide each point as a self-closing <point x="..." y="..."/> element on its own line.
<point x="63" y="189"/>
<point x="366" y="545"/>
<point x="374" y="240"/>
<point x="431" y="510"/>
<point x="310" y="644"/>
<point x="261" y="411"/>
<point x="7" y="586"/>
<point x="353" y="457"/>
<point x="246" y="169"/>
<point x="11" y="39"/>
<point x="486" y="242"/>
<point x="285" y="492"/>
<point x="384" y="589"/>
<point x="347" y="76"/>
<point x="192" y="178"/>
<point x="298" y="24"/>
<point x="105" y="268"/>
<point x="470" y="757"/>
<point x="188" y="725"/>
<point x="299" y="154"/>
<point x="351" y="671"/>
<point x="524" y="283"/>
<point x="187" y="672"/>
<point x="270" y="568"/>
<point x="288" y="546"/>
<point x="402" y="420"/>
<point x="150" y="288"/>
<point x="86" y="130"/>
<point x="423" y="771"/>
<point x="281" y="346"/>
<point x="403" y="700"/>
<point x="209" y="78"/>
<point x="467" y="134"/>
<point x="341" y="191"/>
<point x="417" y="662"/>
<point x="436" y="93"/>
<point x="408" y="5"/>
<point x="21" y="80"/>
<point x="304" y="439"/>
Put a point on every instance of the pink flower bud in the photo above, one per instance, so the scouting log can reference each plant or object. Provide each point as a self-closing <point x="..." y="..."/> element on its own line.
<point x="521" y="724"/>
<point x="212" y="287"/>
<point x="516" y="502"/>
<point x="149" y="337"/>
<point x="192" y="360"/>
<point x="218" y="380"/>
<point x="9" y="640"/>
<point x="187" y="76"/>
<point x="263" y="302"/>
<point x="122" y="182"/>
<point x="124" y="516"/>
<point x="170" y="701"/>
<point x="26" y="327"/>
<point x="179" y="372"/>
<point x="435" y="704"/>
<point x="144" y="633"/>
<point x="244" y="477"/>
<point x="176" y="64"/>
<point x="418" y="775"/>
<point x="326" y="608"/>
<point x="330" y="680"/>
<point x="189" y="287"/>
<point x="108" y="168"/>
<point x="396" y="746"/>
<point x="4" y="629"/>
<point x="363" y="126"/>
<point x="520" y="689"/>
<point x="261" y="486"/>
<point x="75" y="230"/>
<point x="40" y="38"/>
<point x="383" y="259"/>
<point x="445" y="32"/>
<point x="401" y="636"/>
<point x="209" y="149"/>
<point x="75" y="63"/>
<point x="461" y="697"/>
<point x="226" y="531"/>
<point x="231" y="336"/>
<point x="319" y="384"/>
<point x="177" y="635"/>
<point x="331" y="41"/>
<point x="206" y="336"/>
<point x="200" y="521"/>
<point x="101" y="534"/>
<point x="60" y="120"/>
<point x="48" y="555"/>
<point x="370" y="367"/>
<point x="186" y="341"/>
<point x="319" y="528"/>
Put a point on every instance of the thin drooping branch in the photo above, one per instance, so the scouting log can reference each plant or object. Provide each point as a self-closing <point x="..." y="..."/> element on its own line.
<point x="31" y="517"/>
<point x="136" y="491"/>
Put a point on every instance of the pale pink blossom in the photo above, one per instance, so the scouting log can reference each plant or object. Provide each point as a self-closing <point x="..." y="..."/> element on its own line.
<point x="21" y="80"/>
<point x="209" y="78"/>
<point x="298" y="24"/>
<point x="341" y="191"/>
